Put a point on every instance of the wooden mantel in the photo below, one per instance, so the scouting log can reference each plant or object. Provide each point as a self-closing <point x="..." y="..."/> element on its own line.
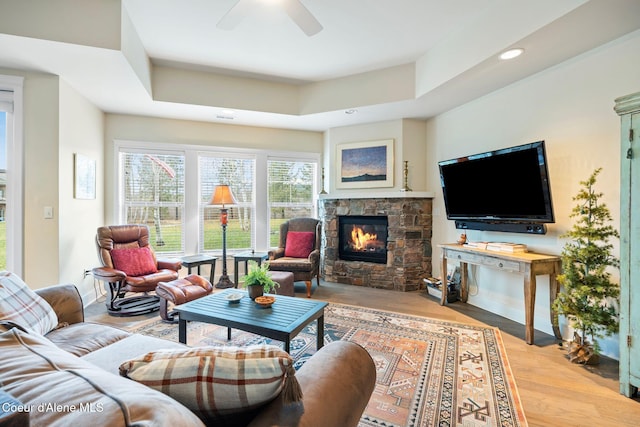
<point x="378" y="195"/>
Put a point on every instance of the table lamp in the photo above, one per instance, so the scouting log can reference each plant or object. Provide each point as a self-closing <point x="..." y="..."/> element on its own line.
<point x="223" y="195"/>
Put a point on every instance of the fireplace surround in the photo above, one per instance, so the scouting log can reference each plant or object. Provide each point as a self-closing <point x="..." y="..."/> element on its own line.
<point x="408" y="241"/>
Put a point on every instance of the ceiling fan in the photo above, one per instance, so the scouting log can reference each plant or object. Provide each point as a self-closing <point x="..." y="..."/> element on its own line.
<point x="294" y="8"/>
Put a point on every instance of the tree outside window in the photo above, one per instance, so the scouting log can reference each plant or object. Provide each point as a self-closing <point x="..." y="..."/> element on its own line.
<point x="291" y="193"/>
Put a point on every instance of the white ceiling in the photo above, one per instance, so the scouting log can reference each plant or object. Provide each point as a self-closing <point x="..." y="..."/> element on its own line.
<point x="358" y="35"/>
<point x="433" y="55"/>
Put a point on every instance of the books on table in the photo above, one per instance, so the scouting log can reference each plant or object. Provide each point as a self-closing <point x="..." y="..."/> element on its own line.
<point x="477" y="245"/>
<point x="499" y="246"/>
<point x="507" y="247"/>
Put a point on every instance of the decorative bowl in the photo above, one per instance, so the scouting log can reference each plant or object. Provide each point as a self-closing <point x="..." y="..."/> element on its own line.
<point x="265" y="301"/>
<point x="234" y="297"/>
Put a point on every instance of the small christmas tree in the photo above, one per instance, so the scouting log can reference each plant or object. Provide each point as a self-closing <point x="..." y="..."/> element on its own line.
<point x="589" y="299"/>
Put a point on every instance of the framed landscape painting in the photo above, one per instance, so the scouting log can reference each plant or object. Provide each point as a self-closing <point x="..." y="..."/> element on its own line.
<point x="365" y="164"/>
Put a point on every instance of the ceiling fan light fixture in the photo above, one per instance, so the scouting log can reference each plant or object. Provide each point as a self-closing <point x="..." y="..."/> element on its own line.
<point x="294" y="8"/>
<point x="511" y="53"/>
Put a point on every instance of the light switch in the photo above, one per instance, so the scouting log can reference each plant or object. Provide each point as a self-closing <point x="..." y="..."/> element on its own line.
<point x="48" y="212"/>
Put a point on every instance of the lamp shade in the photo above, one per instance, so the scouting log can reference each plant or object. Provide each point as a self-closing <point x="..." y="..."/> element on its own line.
<point x="223" y="195"/>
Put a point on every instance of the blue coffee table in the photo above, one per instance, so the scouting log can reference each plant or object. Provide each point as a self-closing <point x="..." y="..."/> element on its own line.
<point x="282" y="321"/>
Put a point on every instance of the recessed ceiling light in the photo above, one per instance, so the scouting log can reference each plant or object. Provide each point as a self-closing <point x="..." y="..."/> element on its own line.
<point x="351" y="111"/>
<point x="511" y="53"/>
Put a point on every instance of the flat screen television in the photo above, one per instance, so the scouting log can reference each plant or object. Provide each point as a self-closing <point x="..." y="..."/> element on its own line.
<point x="501" y="190"/>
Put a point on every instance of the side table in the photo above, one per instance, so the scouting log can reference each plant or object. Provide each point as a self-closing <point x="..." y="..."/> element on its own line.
<point x="246" y="257"/>
<point x="198" y="260"/>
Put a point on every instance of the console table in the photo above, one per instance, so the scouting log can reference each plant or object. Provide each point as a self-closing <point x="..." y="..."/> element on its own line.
<point x="528" y="264"/>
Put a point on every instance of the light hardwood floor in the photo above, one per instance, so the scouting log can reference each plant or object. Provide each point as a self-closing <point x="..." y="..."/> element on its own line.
<point x="553" y="391"/>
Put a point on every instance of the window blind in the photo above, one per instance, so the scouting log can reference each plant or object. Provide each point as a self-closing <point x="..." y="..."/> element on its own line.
<point x="291" y="192"/>
<point x="153" y="193"/>
<point x="239" y="174"/>
<point x="6" y="101"/>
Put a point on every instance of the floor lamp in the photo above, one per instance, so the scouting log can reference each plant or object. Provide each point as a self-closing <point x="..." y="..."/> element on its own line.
<point x="223" y="195"/>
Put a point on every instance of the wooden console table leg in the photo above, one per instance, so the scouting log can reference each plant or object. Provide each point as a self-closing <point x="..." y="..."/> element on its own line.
<point x="529" y="304"/>
<point x="554" y="289"/>
<point x="444" y="285"/>
<point x="464" y="281"/>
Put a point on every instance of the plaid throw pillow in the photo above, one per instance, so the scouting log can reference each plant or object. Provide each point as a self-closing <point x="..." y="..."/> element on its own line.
<point x="215" y="382"/>
<point x="20" y="306"/>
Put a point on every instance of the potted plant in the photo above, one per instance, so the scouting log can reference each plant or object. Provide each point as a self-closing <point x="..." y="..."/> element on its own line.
<point x="258" y="281"/>
<point x="588" y="298"/>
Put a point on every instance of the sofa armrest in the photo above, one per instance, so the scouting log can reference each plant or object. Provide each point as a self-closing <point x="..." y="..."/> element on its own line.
<point x="276" y="253"/>
<point x="65" y="301"/>
<point x="337" y="383"/>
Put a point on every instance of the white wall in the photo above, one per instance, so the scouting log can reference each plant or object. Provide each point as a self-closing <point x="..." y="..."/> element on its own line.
<point x="81" y="131"/>
<point x="57" y="123"/>
<point x="40" y="171"/>
<point x="570" y="106"/>
<point x="409" y="144"/>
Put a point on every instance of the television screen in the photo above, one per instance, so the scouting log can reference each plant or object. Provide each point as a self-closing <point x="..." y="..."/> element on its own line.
<point x="507" y="185"/>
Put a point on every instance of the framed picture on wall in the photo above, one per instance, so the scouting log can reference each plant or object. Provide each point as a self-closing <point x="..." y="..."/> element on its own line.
<point x="84" y="177"/>
<point x="367" y="164"/>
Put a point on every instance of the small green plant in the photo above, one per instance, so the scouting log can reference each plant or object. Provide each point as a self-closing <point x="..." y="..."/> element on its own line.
<point x="258" y="275"/>
<point x="589" y="298"/>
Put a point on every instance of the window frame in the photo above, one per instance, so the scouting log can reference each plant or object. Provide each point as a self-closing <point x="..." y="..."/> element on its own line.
<point x="313" y="205"/>
<point x="121" y="206"/>
<point x="201" y="205"/>
<point x="15" y="174"/>
<point x="192" y="217"/>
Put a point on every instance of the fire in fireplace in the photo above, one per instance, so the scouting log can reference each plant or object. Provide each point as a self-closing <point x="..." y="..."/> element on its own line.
<point x="363" y="238"/>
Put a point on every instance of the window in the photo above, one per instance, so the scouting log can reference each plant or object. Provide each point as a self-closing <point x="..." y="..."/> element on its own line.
<point x="11" y="173"/>
<point x="3" y="188"/>
<point x="152" y="188"/>
<point x="239" y="173"/>
<point x="291" y="193"/>
<point x="169" y="188"/>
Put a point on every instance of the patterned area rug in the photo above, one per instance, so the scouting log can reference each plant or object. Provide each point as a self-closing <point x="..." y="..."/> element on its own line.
<point x="429" y="372"/>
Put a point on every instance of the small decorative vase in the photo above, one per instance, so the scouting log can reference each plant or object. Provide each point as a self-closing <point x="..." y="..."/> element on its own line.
<point x="254" y="291"/>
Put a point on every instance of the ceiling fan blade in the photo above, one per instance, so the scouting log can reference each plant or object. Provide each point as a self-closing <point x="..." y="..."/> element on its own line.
<point x="236" y="14"/>
<point x="302" y="17"/>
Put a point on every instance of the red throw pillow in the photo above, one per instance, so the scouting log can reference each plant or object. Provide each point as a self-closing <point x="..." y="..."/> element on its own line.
<point x="299" y="244"/>
<point x="134" y="261"/>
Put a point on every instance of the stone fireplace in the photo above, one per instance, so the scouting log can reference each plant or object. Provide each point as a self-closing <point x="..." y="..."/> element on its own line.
<point x="402" y="225"/>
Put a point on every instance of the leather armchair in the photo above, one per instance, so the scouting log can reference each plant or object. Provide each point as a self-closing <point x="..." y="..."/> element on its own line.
<point x="118" y="282"/>
<point x="303" y="269"/>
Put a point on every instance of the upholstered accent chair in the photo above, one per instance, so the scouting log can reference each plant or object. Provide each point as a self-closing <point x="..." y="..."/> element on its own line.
<point x="298" y="250"/>
<point x="129" y="264"/>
